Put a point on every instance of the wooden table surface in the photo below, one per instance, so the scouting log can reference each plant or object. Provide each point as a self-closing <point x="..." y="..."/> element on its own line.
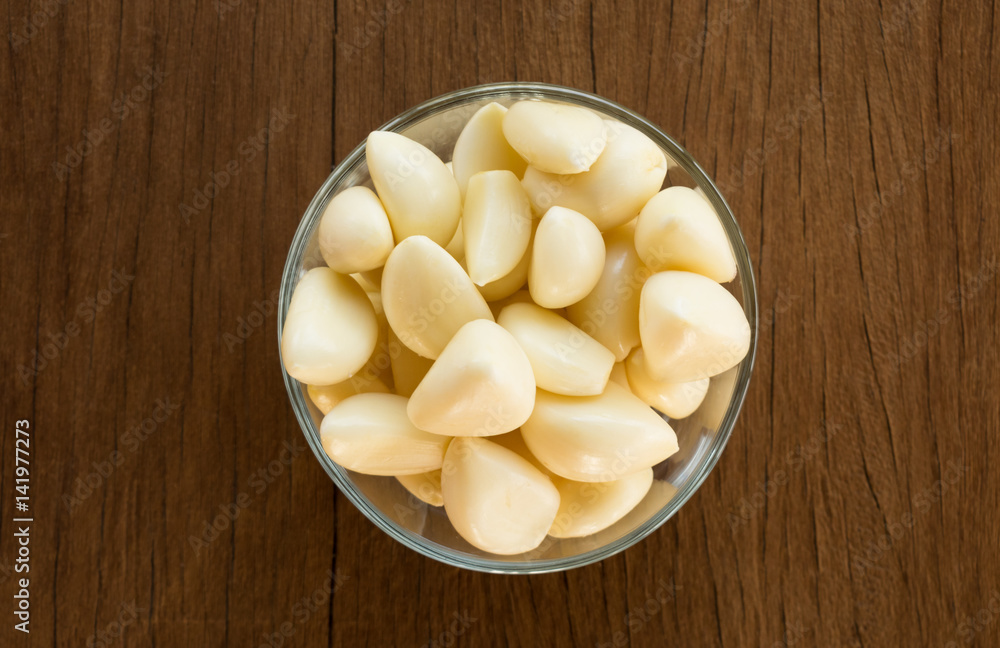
<point x="146" y="219"/>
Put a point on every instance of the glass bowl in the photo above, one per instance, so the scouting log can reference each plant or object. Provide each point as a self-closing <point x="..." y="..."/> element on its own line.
<point x="702" y="436"/>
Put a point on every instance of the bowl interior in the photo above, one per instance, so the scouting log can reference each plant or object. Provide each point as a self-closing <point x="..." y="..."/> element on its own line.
<point x="701" y="436"/>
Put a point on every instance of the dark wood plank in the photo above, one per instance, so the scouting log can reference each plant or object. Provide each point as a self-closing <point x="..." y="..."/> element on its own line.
<point x="854" y="505"/>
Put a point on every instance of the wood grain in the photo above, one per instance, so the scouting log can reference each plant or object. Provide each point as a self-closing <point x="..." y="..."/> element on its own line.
<point x="855" y="504"/>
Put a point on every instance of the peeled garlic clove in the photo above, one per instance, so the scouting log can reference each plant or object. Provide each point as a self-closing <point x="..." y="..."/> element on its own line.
<point x="567" y="257"/>
<point x="496" y="223"/>
<point x="420" y="195"/>
<point x="691" y="327"/>
<point x="659" y="495"/>
<point x="480" y="385"/>
<point x="427" y="296"/>
<point x="627" y="174"/>
<point x="456" y="247"/>
<point x="354" y="233"/>
<point x="511" y="283"/>
<point x="516" y="279"/>
<point x="597" y="438"/>
<point x="326" y="397"/>
<point x="366" y="281"/>
<point x="426" y="487"/>
<point x="515" y="442"/>
<point x="375" y="297"/>
<point x="330" y="328"/>
<point x="408" y="368"/>
<point x="678" y="230"/>
<point x="610" y="312"/>
<point x="371" y="434"/>
<point x="519" y="297"/>
<point x="565" y="360"/>
<point x="379" y="365"/>
<point x="619" y="375"/>
<point x="496" y="499"/>
<point x="675" y="399"/>
<point x="481" y="146"/>
<point x="372" y="278"/>
<point x="555" y="137"/>
<point x="586" y="508"/>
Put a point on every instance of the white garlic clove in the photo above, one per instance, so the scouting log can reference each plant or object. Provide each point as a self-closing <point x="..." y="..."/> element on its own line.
<point x="627" y="174"/>
<point x="326" y="397"/>
<point x="519" y="297"/>
<point x="515" y="442"/>
<point x="480" y="385"/>
<point x="691" y="327"/>
<point x="330" y="329"/>
<point x="659" y="495"/>
<point x="496" y="224"/>
<point x="354" y="233"/>
<point x="597" y="438"/>
<point x="496" y="499"/>
<point x="481" y="146"/>
<point x="408" y="368"/>
<point x="610" y="312"/>
<point x="678" y="230"/>
<point x="379" y="365"/>
<point x="420" y="195"/>
<point x="426" y="487"/>
<point x="675" y="399"/>
<point x="516" y="279"/>
<point x="565" y="360"/>
<point x="508" y="285"/>
<point x="567" y="258"/>
<point x="367" y="281"/>
<point x="371" y="434"/>
<point x="555" y="137"/>
<point x="371" y="278"/>
<point x="427" y="296"/>
<point x="456" y="247"/>
<point x="375" y="297"/>
<point x="586" y="508"/>
<point x="620" y="376"/>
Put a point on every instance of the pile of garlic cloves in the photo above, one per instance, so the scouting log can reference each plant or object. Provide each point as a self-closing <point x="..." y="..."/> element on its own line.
<point x="494" y="332"/>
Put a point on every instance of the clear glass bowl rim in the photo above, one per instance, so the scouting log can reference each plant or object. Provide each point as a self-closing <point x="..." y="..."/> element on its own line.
<point x="745" y="272"/>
